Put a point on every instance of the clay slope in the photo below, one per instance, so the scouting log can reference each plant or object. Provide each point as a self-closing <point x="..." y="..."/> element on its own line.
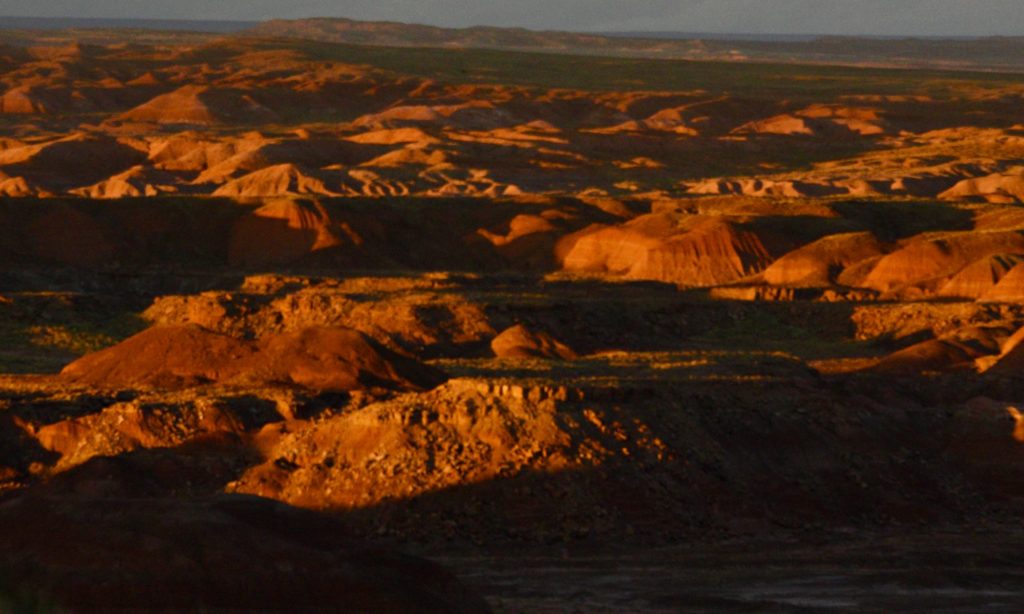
<point x="933" y="260"/>
<point x="183" y="356"/>
<point x="821" y="263"/>
<point x="338" y="359"/>
<point x="28" y="100"/>
<point x="492" y="131"/>
<point x="931" y="355"/>
<point x="166" y="357"/>
<point x="135" y="182"/>
<point x="1009" y="289"/>
<point x="279" y="180"/>
<point x="693" y="251"/>
<point x="981" y="278"/>
<point x="995" y="188"/>
<point x="521" y="342"/>
<point x="819" y="120"/>
<point x="195" y="104"/>
<point x="74" y="161"/>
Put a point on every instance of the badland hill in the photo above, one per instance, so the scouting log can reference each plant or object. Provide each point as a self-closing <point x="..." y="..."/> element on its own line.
<point x="310" y="303"/>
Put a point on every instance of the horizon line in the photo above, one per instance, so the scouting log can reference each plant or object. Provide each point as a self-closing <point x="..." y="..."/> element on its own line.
<point x="610" y="33"/>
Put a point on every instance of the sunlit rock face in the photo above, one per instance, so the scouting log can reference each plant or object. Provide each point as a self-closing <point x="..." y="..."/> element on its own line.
<point x="273" y="307"/>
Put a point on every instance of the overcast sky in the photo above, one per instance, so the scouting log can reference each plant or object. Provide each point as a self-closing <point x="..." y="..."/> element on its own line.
<point x="893" y="17"/>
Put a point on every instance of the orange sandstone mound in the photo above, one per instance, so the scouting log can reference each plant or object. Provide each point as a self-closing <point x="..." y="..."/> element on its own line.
<point x="164" y="357"/>
<point x="73" y="161"/>
<point x="688" y="250"/>
<point x="521" y="342"/>
<point x="185" y="355"/>
<point x="338" y="359"/>
<point x="820" y="263"/>
<point x="25" y="101"/>
<point x="1010" y="360"/>
<point x="981" y="278"/>
<point x="1010" y="288"/>
<point x="136" y="181"/>
<point x="931" y="355"/>
<point x="929" y="259"/>
<point x="995" y="188"/>
<point x="277" y="180"/>
<point x="196" y="104"/>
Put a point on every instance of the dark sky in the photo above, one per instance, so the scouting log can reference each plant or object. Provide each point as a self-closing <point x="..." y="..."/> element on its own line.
<point x="893" y="17"/>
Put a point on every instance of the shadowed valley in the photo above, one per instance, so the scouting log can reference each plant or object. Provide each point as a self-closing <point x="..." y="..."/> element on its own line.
<point x="600" y="333"/>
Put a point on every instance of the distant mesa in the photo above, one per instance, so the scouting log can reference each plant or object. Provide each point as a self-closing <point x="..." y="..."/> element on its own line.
<point x="295" y="158"/>
<point x="671" y="120"/>
<point x="401" y="115"/>
<point x="522" y="342"/>
<point x="394" y="136"/>
<point x="411" y="156"/>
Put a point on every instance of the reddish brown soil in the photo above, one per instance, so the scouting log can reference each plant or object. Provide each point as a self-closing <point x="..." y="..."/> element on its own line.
<point x="483" y="321"/>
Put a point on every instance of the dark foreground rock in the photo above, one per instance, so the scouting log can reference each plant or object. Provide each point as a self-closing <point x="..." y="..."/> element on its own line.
<point x="225" y="553"/>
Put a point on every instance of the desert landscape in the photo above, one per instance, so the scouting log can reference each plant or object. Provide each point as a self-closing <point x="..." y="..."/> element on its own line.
<point x="317" y="316"/>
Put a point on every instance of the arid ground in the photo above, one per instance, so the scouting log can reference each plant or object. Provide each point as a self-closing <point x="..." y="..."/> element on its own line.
<point x="291" y="324"/>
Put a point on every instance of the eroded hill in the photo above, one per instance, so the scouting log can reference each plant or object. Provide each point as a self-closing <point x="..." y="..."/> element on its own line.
<point x="485" y="302"/>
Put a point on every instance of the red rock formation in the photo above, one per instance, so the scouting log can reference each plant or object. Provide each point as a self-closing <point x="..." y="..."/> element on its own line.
<point x="521" y="342"/>
<point x="184" y="356"/>
<point x="693" y="251"/>
<point x="164" y="357"/>
<point x="1009" y="289"/>
<point x="195" y="104"/>
<point x="931" y="355"/>
<point x="820" y="263"/>
<point x="935" y="259"/>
